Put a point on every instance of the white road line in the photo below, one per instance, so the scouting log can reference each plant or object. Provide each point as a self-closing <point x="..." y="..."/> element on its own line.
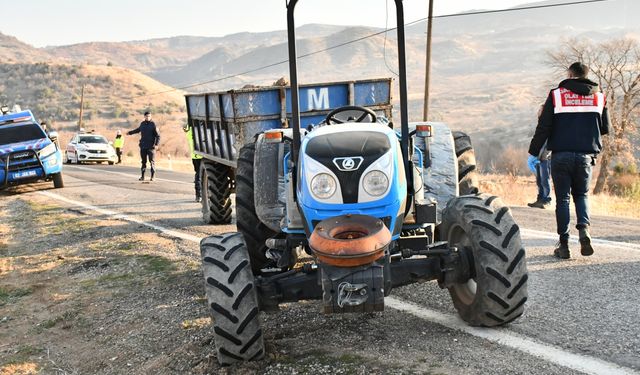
<point x="595" y="241"/>
<point x="117" y="215"/>
<point x="550" y="353"/>
<point x="127" y="174"/>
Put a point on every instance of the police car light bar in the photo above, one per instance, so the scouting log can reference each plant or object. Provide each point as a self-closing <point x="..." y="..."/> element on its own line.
<point x="15" y="120"/>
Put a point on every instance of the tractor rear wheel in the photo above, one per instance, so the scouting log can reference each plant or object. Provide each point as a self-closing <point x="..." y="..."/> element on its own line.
<point x="482" y="227"/>
<point x="232" y="298"/>
<point x="216" y="192"/>
<point x="467" y="173"/>
<point x="254" y="231"/>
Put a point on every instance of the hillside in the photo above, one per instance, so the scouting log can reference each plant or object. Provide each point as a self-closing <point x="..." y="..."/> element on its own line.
<point x="168" y="54"/>
<point x="14" y="51"/>
<point x="114" y="99"/>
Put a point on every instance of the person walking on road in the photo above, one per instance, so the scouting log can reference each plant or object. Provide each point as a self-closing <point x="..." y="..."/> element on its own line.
<point x="149" y="139"/>
<point x="573" y="121"/>
<point x="196" y="160"/>
<point x="543" y="176"/>
<point x="118" y="144"/>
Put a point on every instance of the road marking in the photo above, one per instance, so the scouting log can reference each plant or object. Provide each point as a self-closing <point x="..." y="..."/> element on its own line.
<point x="127" y="174"/>
<point x="595" y="241"/>
<point x="550" y="353"/>
<point x="117" y="215"/>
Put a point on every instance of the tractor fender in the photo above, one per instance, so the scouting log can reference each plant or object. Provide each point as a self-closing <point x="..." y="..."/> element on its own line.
<point x="269" y="186"/>
<point x="440" y="175"/>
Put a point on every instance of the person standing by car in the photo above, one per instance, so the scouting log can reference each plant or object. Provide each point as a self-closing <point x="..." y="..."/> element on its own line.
<point x="196" y="160"/>
<point x="573" y="121"/>
<point x="149" y="139"/>
<point x="118" y="143"/>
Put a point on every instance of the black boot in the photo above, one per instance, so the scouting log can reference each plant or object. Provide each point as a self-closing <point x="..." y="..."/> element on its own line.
<point x="152" y="173"/>
<point x="585" y="242"/>
<point x="562" y="251"/>
<point x="141" y="176"/>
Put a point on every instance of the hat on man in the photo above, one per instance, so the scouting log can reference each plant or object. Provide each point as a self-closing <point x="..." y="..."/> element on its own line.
<point x="147" y="113"/>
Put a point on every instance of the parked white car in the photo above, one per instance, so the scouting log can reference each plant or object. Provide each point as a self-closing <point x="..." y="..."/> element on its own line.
<point x="88" y="147"/>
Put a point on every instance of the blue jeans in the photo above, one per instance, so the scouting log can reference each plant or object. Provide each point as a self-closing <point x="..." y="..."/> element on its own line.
<point x="571" y="173"/>
<point x="543" y="180"/>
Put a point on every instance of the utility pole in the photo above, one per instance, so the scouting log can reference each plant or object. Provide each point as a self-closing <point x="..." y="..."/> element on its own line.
<point x="427" y="69"/>
<point x="81" y="108"/>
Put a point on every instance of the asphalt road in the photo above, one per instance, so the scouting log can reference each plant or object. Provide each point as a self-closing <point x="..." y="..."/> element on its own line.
<point x="583" y="315"/>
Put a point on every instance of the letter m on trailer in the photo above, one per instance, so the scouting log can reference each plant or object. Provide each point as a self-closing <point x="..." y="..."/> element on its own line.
<point x="318" y="99"/>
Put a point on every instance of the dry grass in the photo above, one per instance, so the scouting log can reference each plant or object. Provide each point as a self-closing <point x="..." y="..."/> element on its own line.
<point x="518" y="191"/>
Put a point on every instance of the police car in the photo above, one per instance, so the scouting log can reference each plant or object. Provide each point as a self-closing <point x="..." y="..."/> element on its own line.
<point x="27" y="153"/>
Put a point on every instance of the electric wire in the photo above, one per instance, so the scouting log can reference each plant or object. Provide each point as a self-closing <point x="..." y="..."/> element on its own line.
<point x="339" y="45"/>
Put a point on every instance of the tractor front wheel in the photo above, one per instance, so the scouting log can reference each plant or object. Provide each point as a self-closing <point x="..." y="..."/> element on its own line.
<point x="482" y="227"/>
<point x="232" y="298"/>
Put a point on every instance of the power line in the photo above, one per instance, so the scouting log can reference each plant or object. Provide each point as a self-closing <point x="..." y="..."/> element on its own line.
<point x="367" y="37"/>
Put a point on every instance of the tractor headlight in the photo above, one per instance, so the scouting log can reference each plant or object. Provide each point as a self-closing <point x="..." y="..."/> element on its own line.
<point x="375" y="183"/>
<point x="323" y="186"/>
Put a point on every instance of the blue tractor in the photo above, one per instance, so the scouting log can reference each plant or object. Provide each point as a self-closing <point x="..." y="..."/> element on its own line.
<point x="344" y="210"/>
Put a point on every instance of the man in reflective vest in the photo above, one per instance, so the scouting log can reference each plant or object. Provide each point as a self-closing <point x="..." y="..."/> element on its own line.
<point x="118" y="144"/>
<point x="196" y="160"/>
<point x="573" y="120"/>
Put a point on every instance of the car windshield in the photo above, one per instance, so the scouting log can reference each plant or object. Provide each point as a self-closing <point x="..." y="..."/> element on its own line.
<point x="21" y="133"/>
<point x="92" y="139"/>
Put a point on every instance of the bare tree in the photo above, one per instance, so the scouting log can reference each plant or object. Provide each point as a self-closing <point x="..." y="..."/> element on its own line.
<point x="616" y="66"/>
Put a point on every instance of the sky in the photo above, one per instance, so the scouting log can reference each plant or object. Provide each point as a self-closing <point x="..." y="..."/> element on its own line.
<point x="61" y="22"/>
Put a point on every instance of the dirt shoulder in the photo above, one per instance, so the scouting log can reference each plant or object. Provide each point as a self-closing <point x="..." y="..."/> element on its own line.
<point x="82" y="294"/>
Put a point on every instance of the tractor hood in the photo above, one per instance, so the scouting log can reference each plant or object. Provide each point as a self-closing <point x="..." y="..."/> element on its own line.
<point x="347" y="152"/>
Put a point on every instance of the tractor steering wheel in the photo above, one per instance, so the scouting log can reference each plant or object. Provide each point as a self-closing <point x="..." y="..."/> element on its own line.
<point x="362" y="112"/>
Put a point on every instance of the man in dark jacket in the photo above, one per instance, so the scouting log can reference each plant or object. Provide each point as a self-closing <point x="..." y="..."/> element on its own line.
<point x="573" y="120"/>
<point x="149" y="139"/>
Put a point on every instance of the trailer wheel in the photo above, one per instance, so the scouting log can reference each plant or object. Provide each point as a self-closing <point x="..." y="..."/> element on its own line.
<point x="467" y="173"/>
<point x="482" y="227"/>
<point x="57" y="180"/>
<point x="232" y="298"/>
<point x="254" y="231"/>
<point x="216" y="192"/>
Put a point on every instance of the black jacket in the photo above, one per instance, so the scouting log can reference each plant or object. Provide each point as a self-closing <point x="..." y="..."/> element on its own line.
<point x="149" y="136"/>
<point x="578" y="131"/>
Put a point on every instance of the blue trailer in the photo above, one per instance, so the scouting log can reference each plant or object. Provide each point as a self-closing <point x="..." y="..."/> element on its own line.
<point x="223" y="122"/>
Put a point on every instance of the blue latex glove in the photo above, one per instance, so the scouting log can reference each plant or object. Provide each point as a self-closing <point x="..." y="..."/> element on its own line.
<point x="532" y="162"/>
